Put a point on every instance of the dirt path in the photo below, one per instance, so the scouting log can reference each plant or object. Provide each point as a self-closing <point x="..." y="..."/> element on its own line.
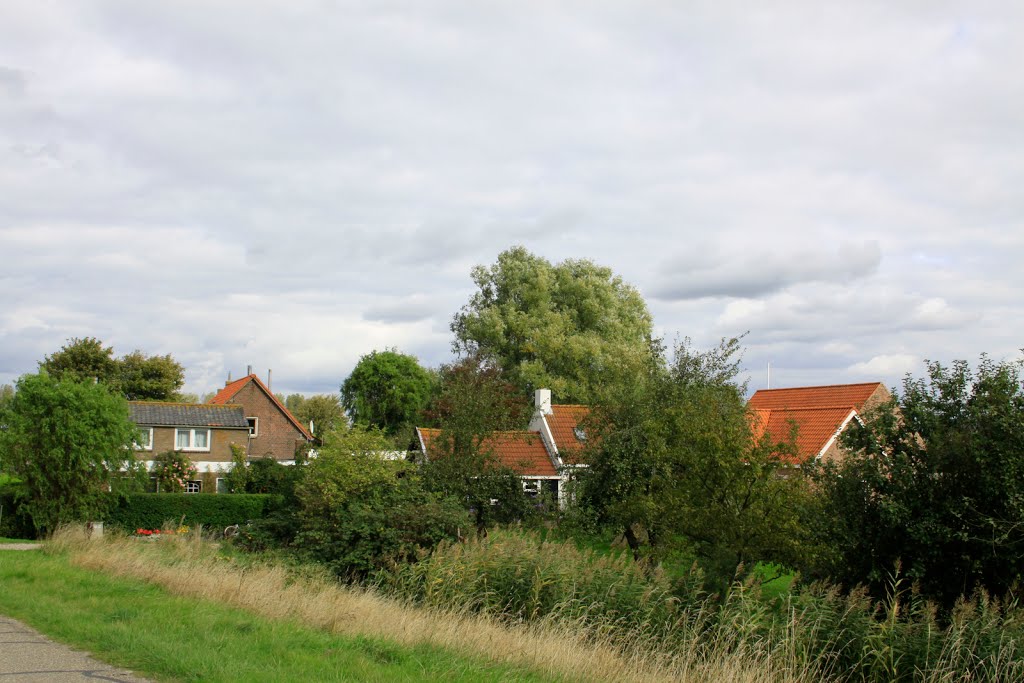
<point x="27" y="655"/>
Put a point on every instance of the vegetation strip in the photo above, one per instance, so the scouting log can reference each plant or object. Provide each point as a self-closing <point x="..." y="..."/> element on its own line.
<point x="140" y="626"/>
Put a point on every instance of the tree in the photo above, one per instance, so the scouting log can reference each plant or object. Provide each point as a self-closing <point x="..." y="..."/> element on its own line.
<point x="676" y="464"/>
<point x="569" y="327"/>
<point x="65" y="440"/>
<point x="82" y="360"/>
<point x="387" y="390"/>
<point x="137" y="376"/>
<point x="934" y="481"/>
<point x="324" y="411"/>
<point x="360" y="512"/>
<point x="474" y="401"/>
<point x="150" y="378"/>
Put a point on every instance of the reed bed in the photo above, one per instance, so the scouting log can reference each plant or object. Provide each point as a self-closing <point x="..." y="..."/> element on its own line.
<point x="563" y="648"/>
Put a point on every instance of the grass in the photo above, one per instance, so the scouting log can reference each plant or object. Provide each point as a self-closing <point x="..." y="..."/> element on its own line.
<point x="143" y="627"/>
<point x="546" y="649"/>
<point x="4" y="539"/>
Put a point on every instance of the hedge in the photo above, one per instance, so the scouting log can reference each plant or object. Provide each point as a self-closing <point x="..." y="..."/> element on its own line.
<point x="153" y="510"/>
<point x="13" y="522"/>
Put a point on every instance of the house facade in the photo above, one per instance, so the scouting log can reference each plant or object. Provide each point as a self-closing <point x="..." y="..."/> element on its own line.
<point x="204" y="433"/>
<point x="819" y="415"/>
<point x="273" y="431"/>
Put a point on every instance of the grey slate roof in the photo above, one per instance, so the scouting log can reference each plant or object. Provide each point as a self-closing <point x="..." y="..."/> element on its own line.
<point x="160" y="414"/>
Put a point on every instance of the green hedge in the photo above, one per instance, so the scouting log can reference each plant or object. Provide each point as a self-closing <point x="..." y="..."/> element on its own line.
<point x="13" y="523"/>
<point x="153" y="510"/>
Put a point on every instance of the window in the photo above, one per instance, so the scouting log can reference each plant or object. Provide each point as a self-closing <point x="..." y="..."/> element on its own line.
<point x="144" y="442"/>
<point x="222" y="485"/>
<point x="192" y="439"/>
<point x="193" y="486"/>
<point x="254" y="426"/>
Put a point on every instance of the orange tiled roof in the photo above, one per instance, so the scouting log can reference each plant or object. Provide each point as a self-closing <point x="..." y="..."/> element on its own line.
<point x="520" y="451"/>
<point x="228" y="392"/>
<point x="815" y="426"/>
<point x="830" y="396"/>
<point x="563" y="422"/>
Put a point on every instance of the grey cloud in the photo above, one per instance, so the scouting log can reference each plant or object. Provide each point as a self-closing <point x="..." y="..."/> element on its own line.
<point x="751" y="273"/>
<point x="13" y="81"/>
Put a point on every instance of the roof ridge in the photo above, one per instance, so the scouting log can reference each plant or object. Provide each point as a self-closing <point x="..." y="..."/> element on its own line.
<point x="785" y="408"/>
<point x="821" y="386"/>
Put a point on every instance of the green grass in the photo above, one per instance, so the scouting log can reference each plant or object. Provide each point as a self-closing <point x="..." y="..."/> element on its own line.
<point x="4" y="539"/>
<point x="139" y="626"/>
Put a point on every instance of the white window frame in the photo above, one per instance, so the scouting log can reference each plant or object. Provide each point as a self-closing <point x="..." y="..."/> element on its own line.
<point x="149" y="446"/>
<point x="254" y="426"/>
<point x="194" y="486"/>
<point x="192" y="439"/>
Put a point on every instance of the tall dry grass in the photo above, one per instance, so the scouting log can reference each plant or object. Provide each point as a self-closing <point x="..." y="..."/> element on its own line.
<point x="563" y="649"/>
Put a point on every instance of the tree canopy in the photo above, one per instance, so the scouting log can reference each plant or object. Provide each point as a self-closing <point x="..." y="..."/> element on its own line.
<point x="387" y="390"/>
<point x="935" y="481"/>
<point x="568" y="327"/>
<point x="323" y="410"/>
<point x="676" y="465"/>
<point x="136" y="376"/>
<point x="65" y="440"/>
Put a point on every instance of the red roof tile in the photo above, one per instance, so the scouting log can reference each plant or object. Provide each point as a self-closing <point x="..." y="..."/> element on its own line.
<point x="225" y="395"/>
<point x="815" y="397"/>
<point x="563" y="422"/>
<point x="523" y="452"/>
<point x="815" y="426"/>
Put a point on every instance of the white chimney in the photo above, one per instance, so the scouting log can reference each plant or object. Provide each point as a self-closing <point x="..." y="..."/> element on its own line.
<point x="542" y="401"/>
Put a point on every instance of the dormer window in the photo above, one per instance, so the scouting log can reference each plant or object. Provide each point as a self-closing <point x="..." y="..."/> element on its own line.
<point x="581" y="435"/>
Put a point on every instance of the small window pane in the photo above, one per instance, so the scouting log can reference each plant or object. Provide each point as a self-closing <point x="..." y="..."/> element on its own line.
<point x="193" y="486"/>
<point x="182" y="439"/>
<point x="202" y="438"/>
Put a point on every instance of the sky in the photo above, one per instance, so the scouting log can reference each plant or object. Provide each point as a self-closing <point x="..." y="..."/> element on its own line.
<point x="293" y="185"/>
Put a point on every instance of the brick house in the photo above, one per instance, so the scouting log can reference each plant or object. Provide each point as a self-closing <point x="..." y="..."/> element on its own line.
<point x="274" y="432"/>
<point x="205" y="433"/>
<point x="819" y="414"/>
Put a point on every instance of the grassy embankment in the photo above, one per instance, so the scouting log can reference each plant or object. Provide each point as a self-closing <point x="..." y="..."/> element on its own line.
<point x="174" y="610"/>
<point x="143" y="627"/>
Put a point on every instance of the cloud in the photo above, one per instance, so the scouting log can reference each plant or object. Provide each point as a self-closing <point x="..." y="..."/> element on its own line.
<point x="749" y="272"/>
<point x="887" y="365"/>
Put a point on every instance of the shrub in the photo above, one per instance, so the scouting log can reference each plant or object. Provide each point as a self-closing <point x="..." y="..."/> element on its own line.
<point x="153" y="510"/>
<point x="172" y="469"/>
<point x="14" y="521"/>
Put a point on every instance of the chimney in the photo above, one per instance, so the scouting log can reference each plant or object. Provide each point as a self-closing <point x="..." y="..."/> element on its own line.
<point x="248" y="370"/>
<point x="229" y="379"/>
<point x="269" y="385"/>
<point x="542" y="401"/>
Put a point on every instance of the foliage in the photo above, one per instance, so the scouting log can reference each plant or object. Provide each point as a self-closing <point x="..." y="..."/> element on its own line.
<point x="936" y="481"/>
<point x="516" y="576"/>
<point x="674" y="462"/>
<point x="66" y="441"/>
<point x="172" y="469"/>
<point x="323" y="410"/>
<point x="569" y="327"/>
<point x="14" y="521"/>
<point x="473" y="402"/>
<point x="136" y="376"/>
<point x="387" y="390"/>
<point x="155" y="510"/>
<point x="360" y="512"/>
<point x="150" y="378"/>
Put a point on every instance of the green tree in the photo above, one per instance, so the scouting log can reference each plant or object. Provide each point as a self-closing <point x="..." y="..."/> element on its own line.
<point x="676" y="464"/>
<point x="935" y="481"/>
<point x="65" y="440"/>
<point x="475" y="400"/>
<point x="387" y="390"/>
<point x="360" y="512"/>
<point x="570" y="327"/>
<point x="137" y="376"/>
<point x="150" y="378"/>
<point x="323" y="410"/>
<point x="83" y="359"/>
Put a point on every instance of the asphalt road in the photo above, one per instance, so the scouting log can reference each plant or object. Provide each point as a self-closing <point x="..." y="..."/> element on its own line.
<point x="27" y="655"/>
